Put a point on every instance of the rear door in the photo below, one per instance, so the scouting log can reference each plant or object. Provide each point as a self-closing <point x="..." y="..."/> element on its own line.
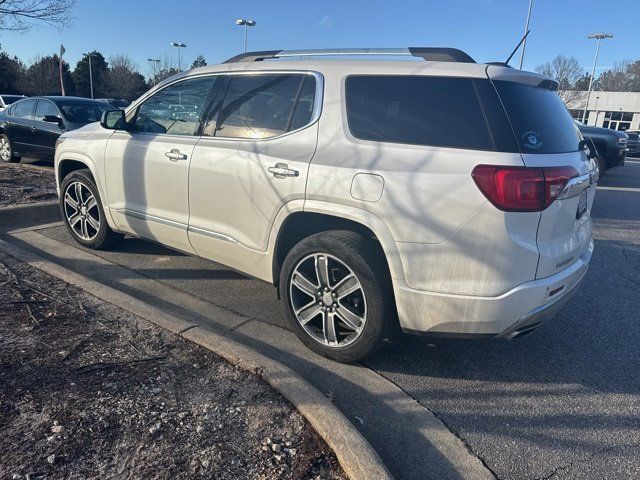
<point x="20" y="125"/>
<point x="252" y="159"/>
<point x="548" y="137"/>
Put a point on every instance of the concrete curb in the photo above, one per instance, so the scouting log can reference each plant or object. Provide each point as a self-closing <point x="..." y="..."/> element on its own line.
<point x="29" y="213"/>
<point x="356" y="456"/>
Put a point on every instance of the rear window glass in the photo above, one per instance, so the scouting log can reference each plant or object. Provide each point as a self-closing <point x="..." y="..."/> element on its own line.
<point x="541" y="122"/>
<point x="435" y="111"/>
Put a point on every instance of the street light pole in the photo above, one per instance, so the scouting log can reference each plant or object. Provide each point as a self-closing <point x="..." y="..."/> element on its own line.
<point x="247" y="24"/>
<point x="154" y="62"/>
<point x="599" y="37"/>
<point x="526" y="29"/>
<point x="90" y="72"/>
<point x="178" y="45"/>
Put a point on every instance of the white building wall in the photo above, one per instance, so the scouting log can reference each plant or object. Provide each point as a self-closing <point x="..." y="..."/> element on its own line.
<point x="601" y="102"/>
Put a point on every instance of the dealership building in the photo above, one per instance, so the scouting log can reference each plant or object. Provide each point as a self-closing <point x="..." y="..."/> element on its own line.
<point x="615" y="110"/>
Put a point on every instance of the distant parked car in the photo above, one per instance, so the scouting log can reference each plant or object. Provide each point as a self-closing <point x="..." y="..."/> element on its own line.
<point x="120" y="103"/>
<point x="633" y="143"/>
<point x="6" y="100"/>
<point x="31" y="126"/>
<point x="611" y="145"/>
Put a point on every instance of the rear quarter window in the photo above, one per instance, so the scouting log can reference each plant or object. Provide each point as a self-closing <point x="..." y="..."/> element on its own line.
<point x="419" y="110"/>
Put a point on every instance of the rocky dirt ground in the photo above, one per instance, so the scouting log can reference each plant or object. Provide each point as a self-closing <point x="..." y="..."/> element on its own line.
<point x="25" y="184"/>
<point x="88" y="390"/>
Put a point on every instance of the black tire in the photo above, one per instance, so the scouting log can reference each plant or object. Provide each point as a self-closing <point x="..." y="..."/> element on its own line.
<point x="100" y="238"/>
<point x="358" y="254"/>
<point x="10" y="158"/>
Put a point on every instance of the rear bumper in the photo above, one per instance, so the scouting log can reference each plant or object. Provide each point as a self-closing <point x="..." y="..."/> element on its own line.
<point x="508" y="315"/>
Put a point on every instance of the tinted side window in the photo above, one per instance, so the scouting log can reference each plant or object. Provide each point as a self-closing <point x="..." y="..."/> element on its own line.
<point x="436" y="111"/>
<point x="24" y="109"/>
<point x="541" y="122"/>
<point x="263" y="106"/>
<point x="45" y="107"/>
<point x="175" y="109"/>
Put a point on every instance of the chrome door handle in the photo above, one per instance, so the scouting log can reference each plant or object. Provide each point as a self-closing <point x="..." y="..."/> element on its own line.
<point x="175" y="155"/>
<point x="282" y="170"/>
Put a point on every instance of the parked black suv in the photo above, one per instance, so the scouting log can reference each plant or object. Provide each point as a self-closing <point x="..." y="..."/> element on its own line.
<point x="611" y="145"/>
<point x="633" y="143"/>
<point x="30" y="127"/>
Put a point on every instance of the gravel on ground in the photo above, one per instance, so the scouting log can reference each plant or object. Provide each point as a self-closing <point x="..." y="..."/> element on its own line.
<point x="20" y="184"/>
<point x="88" y="390"/>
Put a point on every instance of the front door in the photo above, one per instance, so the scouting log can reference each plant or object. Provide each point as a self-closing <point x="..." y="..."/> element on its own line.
<point x="252" y="159"/>
<point x="147" y="166"/>
<point x="46" y="134"/>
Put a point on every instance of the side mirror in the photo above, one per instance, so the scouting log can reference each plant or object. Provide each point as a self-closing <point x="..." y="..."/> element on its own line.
<point x="588" y="145"/>
<point x="54" y="119"/>
<point x="113" y="120"/>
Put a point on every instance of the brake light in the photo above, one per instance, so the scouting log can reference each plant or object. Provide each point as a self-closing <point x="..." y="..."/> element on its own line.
<point x="522" y="189"/>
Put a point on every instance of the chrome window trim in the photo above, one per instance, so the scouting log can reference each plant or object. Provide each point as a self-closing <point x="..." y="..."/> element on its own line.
<point x="315" y="115"/>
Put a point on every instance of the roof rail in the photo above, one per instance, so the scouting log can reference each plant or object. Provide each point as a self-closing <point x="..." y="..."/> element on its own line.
<point x="432" y="54"/>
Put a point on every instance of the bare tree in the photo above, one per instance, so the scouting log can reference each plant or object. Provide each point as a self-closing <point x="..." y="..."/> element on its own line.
<point x="123" y="79"/>
<point x="17" y="15"/>
<point x="568" y="72"/>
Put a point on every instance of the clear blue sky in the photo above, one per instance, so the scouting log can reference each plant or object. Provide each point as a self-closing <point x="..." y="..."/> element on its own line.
<point x="486" y="29"/>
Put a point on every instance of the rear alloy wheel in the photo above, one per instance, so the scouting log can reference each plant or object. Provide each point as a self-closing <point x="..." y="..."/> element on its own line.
<point x="338" y="295"/>
<point x="82" y="211"/>
<point x="331" y="307"/>
<point x="6" y="152"/>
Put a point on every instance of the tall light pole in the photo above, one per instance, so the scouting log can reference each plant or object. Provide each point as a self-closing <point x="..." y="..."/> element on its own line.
<point x="154" y="62"/>
<point x="599" y="37"/>
<point x="526" y="29"/>
<point x="90" y="71"/>
<point x="178" y="45"/>
<point x="247" y="24"/>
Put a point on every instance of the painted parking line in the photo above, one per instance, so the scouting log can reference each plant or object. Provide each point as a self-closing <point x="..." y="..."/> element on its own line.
<point x="620" y="189"/>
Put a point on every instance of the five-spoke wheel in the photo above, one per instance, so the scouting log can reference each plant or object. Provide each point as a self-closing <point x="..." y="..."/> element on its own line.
<point x="6" y="152"/>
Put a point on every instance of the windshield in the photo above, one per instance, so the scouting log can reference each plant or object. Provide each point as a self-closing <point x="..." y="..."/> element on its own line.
<point x="84" y="112"/>
<point x="120" y="103"/>
<point x="540" y="120"/>
<point x="9" y="99"/>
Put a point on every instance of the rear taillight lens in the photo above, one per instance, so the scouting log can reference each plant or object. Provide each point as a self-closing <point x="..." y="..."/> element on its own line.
<point x="522" y="189"/>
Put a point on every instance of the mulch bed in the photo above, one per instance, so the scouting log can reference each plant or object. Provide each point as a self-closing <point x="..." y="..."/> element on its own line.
<point x="21" y="184"/>
<point x="88" y="390"/>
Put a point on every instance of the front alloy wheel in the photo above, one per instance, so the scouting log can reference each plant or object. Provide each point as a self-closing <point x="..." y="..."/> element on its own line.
<point x="328" y="300"/>
<point x="81" y="211"/>
<point x="6" y="154"/>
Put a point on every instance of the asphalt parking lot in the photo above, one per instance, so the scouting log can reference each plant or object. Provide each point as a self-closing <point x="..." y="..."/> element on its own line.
<point x="563" y="402"/>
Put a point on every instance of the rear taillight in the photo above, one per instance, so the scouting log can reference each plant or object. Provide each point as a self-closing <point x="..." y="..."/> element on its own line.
<point x="522" y="189"/>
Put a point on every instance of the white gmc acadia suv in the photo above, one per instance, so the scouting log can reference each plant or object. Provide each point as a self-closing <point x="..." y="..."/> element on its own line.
<point x="435" y="195"/>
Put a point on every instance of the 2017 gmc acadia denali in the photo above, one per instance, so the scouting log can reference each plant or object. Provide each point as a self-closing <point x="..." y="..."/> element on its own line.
<point x="435" y="195"/>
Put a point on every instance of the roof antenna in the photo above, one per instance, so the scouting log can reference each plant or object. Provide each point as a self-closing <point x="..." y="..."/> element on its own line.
<point x="517" y="47"/>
